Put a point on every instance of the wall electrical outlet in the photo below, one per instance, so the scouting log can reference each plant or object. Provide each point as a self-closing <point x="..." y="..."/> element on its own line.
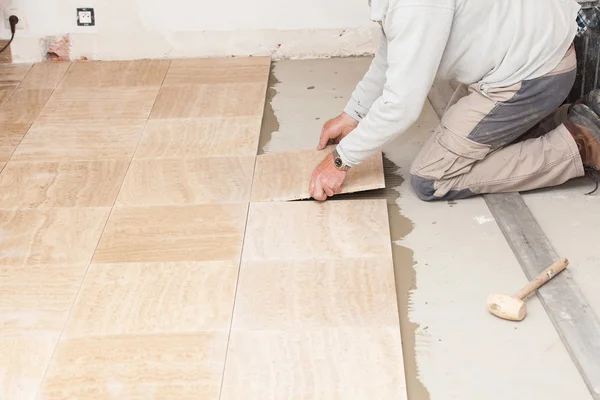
<point x="85" y="17"/>
<point x="13" y="11"/>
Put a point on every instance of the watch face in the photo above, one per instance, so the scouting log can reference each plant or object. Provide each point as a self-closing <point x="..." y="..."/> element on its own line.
<point x="338" y="162"/>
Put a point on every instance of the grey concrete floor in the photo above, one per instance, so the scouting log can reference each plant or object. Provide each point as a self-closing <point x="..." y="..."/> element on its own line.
<point x="448" y="257"/>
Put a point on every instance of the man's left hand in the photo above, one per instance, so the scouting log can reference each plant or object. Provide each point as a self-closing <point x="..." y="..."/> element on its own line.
<point x="326" y="180"/>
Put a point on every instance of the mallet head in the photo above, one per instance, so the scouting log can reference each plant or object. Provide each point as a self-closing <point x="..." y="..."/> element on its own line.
<point x="507" y="307"/>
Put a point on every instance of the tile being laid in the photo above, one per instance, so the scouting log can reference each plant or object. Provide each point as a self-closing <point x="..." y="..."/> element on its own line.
<point x="286" y="176"/>
<point x="187" y="181"/>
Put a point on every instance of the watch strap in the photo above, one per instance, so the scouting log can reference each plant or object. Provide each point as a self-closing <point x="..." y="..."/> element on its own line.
<point x="338" y="162"/>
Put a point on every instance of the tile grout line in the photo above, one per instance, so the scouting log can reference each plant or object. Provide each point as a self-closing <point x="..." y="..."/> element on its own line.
<point x="98" y="242"/>
<point x="237" y="281"/>
<point x="37" y="115"/>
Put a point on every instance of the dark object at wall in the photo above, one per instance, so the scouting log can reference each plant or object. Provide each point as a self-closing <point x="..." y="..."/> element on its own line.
<point x="588" y="55"/>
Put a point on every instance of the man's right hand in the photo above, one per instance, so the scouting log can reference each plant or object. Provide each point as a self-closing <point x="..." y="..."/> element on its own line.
<point x="336" y="129"/>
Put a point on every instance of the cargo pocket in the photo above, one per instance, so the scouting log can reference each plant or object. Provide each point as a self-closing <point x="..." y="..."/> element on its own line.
<point x="448" y="155"/>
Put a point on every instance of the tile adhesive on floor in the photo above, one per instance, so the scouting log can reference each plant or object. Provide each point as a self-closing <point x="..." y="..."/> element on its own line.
<point x="134" y="265"/>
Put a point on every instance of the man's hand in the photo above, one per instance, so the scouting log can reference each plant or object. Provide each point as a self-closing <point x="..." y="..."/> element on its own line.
<point x="326" y="180"/>
<point x="336" y="129"/>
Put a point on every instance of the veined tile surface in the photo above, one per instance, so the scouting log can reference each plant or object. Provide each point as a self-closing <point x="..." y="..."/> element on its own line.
<point x="137" y="367"/>
<point x="61" y="184"/>
<point x="152" y="298"/>
<point x="80" y="141"/>
<point x="10" y="137"/>
<point x="98" y="104"/>
<point x="286" y="176"/>
<point x="218" y="70"/>
<point x="44" y="75"/>
<point x="316" y="311"/>
<point x="207" y="180"/>
<point x="211" y="232"/>
<point x="201" y="137"/>
<point x="54" y="236"/>
<point x="115" y="74"/>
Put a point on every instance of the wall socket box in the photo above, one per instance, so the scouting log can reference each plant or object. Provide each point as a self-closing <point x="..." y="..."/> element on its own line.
<point x="22" y="18"/>
<point x="85" y="17"/>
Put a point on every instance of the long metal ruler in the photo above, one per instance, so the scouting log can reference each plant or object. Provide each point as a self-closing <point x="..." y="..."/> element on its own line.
<point x="575" y="321"/>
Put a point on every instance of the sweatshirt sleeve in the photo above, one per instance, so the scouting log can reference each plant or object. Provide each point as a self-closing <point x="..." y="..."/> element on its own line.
<point x="416" y="38"/>
<point x="371" y="86"/>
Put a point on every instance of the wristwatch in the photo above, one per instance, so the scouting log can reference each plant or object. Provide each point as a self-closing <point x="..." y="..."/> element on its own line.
<point x="338" y="162"/>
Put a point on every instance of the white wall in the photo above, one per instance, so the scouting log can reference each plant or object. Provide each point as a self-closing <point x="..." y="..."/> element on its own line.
<point x="132" y="29"/>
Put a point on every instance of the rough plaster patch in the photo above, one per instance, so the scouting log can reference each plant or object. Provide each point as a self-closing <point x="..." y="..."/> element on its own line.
<point x="56" y="48"/>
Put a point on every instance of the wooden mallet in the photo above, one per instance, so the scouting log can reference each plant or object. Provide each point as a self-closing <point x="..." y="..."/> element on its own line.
<point x="513" y="308"/>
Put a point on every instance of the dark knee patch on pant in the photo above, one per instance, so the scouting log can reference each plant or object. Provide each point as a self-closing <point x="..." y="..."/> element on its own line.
<point x="535" y="100"/>
<point x="425" y="190"/>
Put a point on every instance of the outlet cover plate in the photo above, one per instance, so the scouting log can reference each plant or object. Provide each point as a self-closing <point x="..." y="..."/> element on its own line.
<point x="85" y="17"/>
<point x="22" y="18"/>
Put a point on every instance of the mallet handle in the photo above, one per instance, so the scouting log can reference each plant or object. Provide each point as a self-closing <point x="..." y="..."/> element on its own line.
<point x="544" y="277"/>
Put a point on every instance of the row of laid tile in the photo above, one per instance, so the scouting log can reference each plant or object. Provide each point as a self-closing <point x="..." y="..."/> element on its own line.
<point x="174" y="268"/>
<point x="164" y="275"/>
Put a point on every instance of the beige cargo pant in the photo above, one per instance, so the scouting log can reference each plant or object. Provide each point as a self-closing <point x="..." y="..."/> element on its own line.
<point x="509" y="139"/>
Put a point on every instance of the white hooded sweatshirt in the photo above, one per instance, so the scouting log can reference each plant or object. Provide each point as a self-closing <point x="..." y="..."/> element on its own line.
<point x="493" y="42"/>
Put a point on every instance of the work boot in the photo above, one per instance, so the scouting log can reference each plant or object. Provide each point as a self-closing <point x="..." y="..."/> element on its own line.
<point x="584" y="125"/>
<point x="592" y="100"/>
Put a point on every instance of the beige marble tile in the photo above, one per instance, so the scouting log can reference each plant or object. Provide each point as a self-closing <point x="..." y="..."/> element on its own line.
<point x="83" y="141"/>
<point x="5" y="92"/>
<point x="44" y="75"/>
<point x="37" y="299"/>
<point x="286" y="176"/>
<point x="173" y="233"/>
<point x="61" y="184"/>
<point x="89" y="74"/>
<point x="24" y="105"/>
<point x="204" y="137"/>
<point x="10" y="137"/>
<point x="157" y="367"/>
<point x="23" y="362"/>
<point x="187" y="181"/>
<point x="154" y="298"/>
<point x="12" y="74"/>
<point x="54" y="236"/>
<point x="98" y="104"/>
<point x="218" y="70"/>
<point x="325" y="293"/>
<point x="349" y="363"/>
<point x="311" y="230"/>
<point x="201" y="101"/>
